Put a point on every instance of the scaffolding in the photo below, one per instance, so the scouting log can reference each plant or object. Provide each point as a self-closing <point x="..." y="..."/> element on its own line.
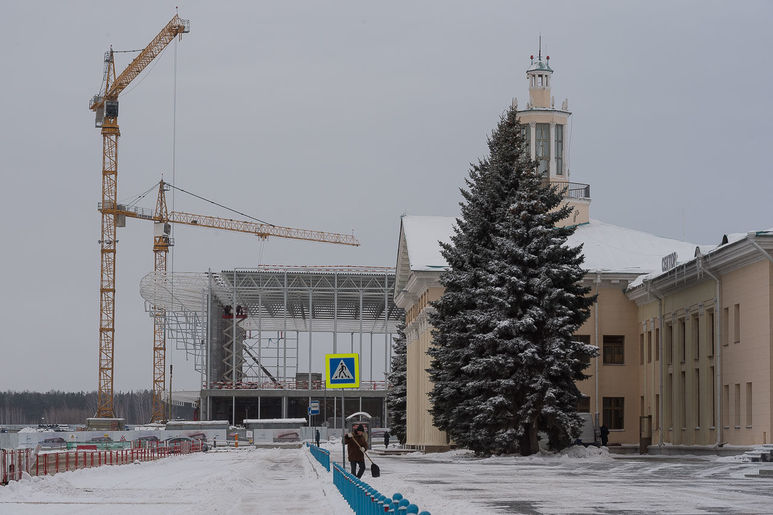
<point x="275" y="317"/>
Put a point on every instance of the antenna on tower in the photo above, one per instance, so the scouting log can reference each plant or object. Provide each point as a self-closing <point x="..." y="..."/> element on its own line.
<point x="540" y="47"/>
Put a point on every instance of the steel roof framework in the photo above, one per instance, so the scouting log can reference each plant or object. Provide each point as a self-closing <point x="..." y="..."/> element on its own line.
<point x="337" y="300"/>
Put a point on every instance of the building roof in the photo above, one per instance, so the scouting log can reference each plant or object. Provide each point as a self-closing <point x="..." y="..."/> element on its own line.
<point x="606" y="247"/>
<point x="540" y="65"/>
<point x="734" y="251"/>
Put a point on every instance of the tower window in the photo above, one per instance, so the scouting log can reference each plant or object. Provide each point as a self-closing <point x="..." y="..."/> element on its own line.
<point x="559" y="149"/>
<point x="526" y="137"/>
<point x="542" y="141"/>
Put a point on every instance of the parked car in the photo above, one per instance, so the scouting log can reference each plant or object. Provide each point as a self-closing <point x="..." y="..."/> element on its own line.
<point x="201" y="438"/>
<point x="54" y="443"/>
<point x="146" y="441"/>
<point x="177" y="442"/>
<point x="288" y="436"/>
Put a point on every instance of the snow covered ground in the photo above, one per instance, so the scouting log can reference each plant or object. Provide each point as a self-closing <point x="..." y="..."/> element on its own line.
<point x="290" y="481"/>
<point x="583" y="481"/>
<point x="233" y="481"/>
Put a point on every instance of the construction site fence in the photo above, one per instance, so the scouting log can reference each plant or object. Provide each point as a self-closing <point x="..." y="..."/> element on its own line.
<point x="363" y="499"/>
<point x="14" y="463"/>
<point x="286" y="385"/>
<point x="322" y="455"/>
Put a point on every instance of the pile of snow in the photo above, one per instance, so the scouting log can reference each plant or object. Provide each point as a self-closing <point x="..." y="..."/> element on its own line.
<point x="580" y="452"/>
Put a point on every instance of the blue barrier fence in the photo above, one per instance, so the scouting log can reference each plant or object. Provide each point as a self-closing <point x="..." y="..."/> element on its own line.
<point x="322" y="455"/>
<point x="366" y="500"/>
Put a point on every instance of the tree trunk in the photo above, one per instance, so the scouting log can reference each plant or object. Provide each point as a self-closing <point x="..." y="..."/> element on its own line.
<point x="529" y="443"/>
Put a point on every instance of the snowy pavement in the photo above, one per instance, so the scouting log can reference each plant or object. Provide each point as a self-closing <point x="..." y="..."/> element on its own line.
<point x="290" y="481"/>
<point x="583" y="483"/>
<point x="233" y="482"/>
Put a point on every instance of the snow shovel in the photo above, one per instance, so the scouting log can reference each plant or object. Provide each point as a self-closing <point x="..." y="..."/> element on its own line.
<point x="375" y="471"/>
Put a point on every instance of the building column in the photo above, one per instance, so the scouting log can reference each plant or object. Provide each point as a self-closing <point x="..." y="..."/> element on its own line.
<point x="533" y="140"/>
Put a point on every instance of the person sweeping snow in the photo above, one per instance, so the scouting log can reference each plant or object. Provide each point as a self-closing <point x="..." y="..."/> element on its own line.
<point x="356" y="444"/>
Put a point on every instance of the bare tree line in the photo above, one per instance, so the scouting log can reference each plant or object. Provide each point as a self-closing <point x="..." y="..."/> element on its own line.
<point x="56" y="407"/>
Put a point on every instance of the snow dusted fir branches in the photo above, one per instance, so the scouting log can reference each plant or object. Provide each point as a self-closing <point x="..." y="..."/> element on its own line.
<point x="504" y="363"/>
<point x="397" y="384"/>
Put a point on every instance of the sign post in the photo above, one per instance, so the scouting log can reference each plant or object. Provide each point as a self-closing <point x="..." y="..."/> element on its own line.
<point x="342" y="371"/>
<point x="313" y="410"/>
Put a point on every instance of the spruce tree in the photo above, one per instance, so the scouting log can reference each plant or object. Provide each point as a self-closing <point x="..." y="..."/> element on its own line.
<point x="504" y="364"/>
<point x="397" y="384"/>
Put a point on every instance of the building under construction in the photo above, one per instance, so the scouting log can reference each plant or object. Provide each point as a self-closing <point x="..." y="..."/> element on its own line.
<point x="258" y="337"/>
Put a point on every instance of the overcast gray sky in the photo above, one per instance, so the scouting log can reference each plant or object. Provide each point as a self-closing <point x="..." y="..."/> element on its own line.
<point x="342" y="116"/>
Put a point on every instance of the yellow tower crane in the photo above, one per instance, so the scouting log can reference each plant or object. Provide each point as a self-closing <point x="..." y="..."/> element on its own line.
<point x="105" y="105"/>
<point x="162" y="241"/>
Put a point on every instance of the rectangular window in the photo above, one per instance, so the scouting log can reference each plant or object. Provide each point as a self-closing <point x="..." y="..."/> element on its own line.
<point x="669" y="344"/>
<point x="748" y="405"/>
<point x="668" y="401"/>
<point x="737" y="323"/>
<point x="583" y="404"/>
<point x="657" y="344"/>
<point x="584" y="338"/>
<point x="542" y="142"/>
<point x="696" y="336"/>
<point x="649" y="346"/>
<point x="614" y="349"/>
<point x="614" y="412"/>
<point x="726" y="406"/>
<point x="725" y="322"/>
<point x="641" y="349"/>
<point x="559" y="149"/>
<point x="697" y="398"/>
<point x="710" y="332"/>
<point x="713" y="398"/>
<point x="737" y="410"/>
<point x="526" y="134"/>
<point x="680" y="340"/>
<point x="683" y="407"/>
<point x="641" y="406"/>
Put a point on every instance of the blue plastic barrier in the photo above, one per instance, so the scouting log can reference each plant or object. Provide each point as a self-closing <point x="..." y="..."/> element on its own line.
<point x="322" y="455"/>
<point x="366" y="500"/>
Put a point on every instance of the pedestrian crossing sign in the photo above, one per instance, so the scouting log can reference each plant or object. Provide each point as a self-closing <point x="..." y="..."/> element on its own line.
<point x="342" y="370"/>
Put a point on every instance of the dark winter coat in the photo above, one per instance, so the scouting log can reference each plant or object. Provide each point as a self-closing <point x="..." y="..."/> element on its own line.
<point x="353" y="444"/>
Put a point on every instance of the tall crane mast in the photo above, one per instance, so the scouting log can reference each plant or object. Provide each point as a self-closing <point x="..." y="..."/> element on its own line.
<point x="162" y="241"/>
<point x="105" y="105"/>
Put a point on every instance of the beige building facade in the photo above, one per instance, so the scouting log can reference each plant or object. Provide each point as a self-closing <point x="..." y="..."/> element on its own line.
<point x="686" y="344"/>
<point x="716" y="314"/>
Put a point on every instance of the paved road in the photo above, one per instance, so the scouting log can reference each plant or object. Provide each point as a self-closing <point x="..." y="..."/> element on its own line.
<point x="595" y="485"/>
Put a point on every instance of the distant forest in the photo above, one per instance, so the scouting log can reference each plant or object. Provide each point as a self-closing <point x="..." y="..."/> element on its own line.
<point x="56" y="407"/>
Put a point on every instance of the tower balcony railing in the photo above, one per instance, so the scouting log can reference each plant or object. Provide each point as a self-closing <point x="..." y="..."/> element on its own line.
<point x="577" y="190"/>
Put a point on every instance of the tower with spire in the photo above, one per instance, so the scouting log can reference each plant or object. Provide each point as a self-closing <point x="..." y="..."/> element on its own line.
<point x="547" y="134"/>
